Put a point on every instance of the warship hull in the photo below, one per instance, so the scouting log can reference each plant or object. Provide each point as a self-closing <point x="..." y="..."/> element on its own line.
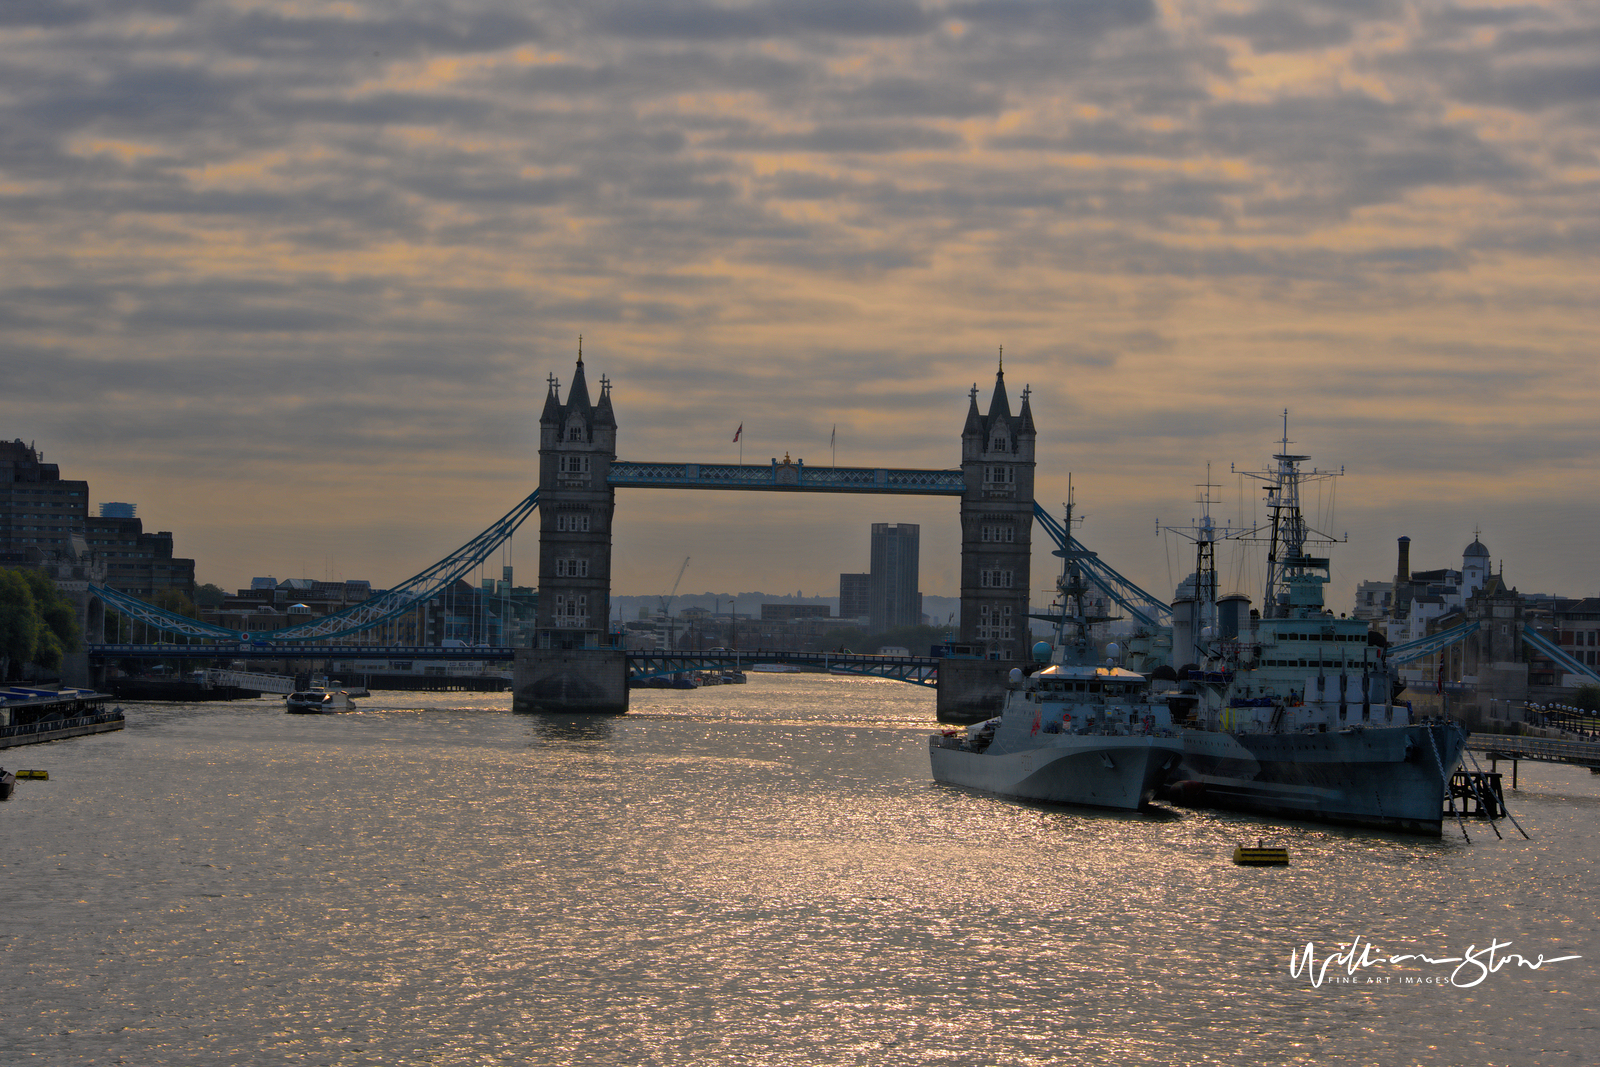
<point x="1094" y="771"/>
<point x="1387" y="777"/>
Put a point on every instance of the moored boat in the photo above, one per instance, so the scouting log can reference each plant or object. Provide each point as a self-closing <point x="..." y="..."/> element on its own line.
<point x="1293" y="714"/>
<point x="317" y="701"/>
<point x="1072" y="732"/>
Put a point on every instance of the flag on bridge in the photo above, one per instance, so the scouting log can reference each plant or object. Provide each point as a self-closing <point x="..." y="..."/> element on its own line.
<point x="737" y="432"/>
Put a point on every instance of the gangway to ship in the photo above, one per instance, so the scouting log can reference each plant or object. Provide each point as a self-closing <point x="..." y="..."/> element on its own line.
<point x="1538" y="749"/>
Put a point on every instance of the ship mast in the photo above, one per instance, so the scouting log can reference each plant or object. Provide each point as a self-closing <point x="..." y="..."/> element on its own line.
<point x="1204" y="534"/>
<point x="1070" y="606"/>
<point x="1293" y="580"/>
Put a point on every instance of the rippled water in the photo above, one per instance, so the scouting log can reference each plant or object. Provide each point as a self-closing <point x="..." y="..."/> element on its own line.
<point x="743" y="874"/>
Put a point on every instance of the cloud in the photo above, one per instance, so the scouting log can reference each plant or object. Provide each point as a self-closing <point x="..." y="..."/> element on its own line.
<point x="383" y="226"/>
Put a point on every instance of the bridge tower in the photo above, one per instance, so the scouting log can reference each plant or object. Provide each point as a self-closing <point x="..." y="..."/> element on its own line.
<point x="997" y="460"/>
<point x="572" y="666"/>
<point x="577" y="445"/>
<point x="997" y="457"/>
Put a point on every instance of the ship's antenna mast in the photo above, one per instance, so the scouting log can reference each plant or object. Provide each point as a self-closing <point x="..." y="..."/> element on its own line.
<point x="1286" y="557"/>
<point x="1204" y="534"/>
<point x="1071" y="588"/>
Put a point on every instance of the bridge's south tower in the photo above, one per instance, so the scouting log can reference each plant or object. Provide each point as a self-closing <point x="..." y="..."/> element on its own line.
<point x="997" y="457"/>
<point x="577" y="445"/>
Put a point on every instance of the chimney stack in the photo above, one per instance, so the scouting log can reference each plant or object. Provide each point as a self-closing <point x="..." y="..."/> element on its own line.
<point x="1403" y="571"/>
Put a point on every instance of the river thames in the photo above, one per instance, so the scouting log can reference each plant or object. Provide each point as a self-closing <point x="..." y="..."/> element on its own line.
<point x="756" y="874"/>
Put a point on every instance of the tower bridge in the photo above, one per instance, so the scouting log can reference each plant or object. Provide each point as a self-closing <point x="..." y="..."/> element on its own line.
<point x="573" y="665"/>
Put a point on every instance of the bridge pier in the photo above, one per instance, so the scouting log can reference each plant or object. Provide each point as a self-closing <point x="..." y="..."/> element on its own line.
<point x="971" y="690"/>
<point x="570" y="681"/>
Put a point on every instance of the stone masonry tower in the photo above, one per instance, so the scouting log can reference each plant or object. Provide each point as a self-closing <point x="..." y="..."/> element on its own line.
<point x="577" y="445"/>
<point x="997" y="457"/>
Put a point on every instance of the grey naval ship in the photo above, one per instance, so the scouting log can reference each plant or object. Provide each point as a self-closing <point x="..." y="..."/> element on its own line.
<point x="1294" y="713"/>
<point x="1071" y="732"/>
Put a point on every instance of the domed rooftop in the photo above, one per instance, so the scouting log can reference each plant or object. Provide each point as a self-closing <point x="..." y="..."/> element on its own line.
<point x="1476" y="549"/>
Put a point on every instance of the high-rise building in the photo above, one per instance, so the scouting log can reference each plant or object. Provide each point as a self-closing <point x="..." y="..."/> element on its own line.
<point x="893" y="599"/>
<point x="855" y="596"/>
<point x="118" y="510"/>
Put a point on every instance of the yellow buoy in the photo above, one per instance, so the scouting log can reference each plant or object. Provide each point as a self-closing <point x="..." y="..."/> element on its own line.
<point x="1260" y="854"/>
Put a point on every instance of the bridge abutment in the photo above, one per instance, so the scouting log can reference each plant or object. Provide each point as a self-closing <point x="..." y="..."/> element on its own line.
<point x="570" y="681"/>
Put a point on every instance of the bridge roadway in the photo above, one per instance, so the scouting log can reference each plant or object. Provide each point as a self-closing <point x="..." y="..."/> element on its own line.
<point x="255" y="650"/>
<point x="918" y="670"/>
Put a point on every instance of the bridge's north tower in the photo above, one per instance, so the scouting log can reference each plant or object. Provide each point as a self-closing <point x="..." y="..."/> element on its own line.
<point x="577" y="445"/>
<point x="997" y="458"/>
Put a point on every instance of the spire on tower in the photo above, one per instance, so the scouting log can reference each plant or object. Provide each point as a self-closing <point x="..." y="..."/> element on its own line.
<point x="999" y="404"/>
<point x="578" y="391"/>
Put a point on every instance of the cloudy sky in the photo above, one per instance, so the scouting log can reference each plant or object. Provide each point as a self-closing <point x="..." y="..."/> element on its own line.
<point x="291" y="276"/>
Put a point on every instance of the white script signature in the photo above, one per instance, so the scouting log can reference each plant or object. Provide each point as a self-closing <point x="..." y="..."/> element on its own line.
<point x="1472" y="966"/>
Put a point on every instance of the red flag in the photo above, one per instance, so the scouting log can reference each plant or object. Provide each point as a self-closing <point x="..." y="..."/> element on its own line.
<point x="737" y="432"/>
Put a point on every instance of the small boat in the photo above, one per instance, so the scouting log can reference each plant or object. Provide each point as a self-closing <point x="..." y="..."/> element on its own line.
<point x="38" y="776"/>
<point x="317" y="701"/>
<point x="8" y="782"/>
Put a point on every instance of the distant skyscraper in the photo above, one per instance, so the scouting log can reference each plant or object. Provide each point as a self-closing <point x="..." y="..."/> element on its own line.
<point x="855" y="596"/>
<point x="110" y="510"/>
<point x="893" y="599"/>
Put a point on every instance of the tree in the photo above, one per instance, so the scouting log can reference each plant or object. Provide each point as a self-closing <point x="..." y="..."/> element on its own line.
<point x="19" y="623"/>
<point x="60" y="617"/>
<point x="37" y="624"/>
<point x="1587" y="697"/>
<point x="210" y="596"/>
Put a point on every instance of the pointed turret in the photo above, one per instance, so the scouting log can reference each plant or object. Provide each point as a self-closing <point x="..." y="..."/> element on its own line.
<point x="578" y="393"/>
<point x="1025" y="417"/>
<point x="999" y="405"/>
<point x="552" y="403"/>
<point x="974" y="426"/>
<point x="604" y="418"/>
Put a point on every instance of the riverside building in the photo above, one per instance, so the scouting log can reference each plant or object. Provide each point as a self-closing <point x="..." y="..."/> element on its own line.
<point x="45" y="523"/>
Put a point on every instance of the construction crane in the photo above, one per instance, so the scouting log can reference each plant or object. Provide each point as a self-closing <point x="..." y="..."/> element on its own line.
<point x="666" y="607"/>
